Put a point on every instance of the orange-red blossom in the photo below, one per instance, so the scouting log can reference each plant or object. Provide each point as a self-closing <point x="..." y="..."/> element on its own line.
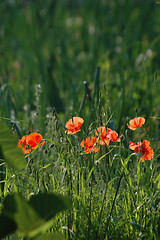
<point x="136" y="122"/>
<point x="29" y="142"/>
<point x="73" y="125"/>
<point x="23" y="144"/>
<point x="89" y="145"/>
<point x="106" y="135"/>
<point x="143" y="148"/>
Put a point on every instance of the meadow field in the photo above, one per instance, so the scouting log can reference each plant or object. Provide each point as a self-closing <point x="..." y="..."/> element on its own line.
<point x="79" y="119"/>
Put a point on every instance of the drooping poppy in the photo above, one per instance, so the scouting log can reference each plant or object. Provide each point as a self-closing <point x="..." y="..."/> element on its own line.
<point x="34" y="139"/>
<point x="89" y="145"/>
<point x="143" y="148"/>
<point x="73" y="125"/>
<point x="22" y="143"/>
<point x="107" y="135"/>
<point x="135" y="123"/>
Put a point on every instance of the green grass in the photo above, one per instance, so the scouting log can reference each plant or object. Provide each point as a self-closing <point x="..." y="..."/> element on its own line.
<point x="98" y="60"/>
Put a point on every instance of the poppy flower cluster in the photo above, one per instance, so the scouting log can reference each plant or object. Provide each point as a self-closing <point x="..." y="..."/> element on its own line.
<point x="29" y="142"/>
<point x="90" y="143"/>
<point x="106" y="135"/>
<point x="104" y="138"/>
<point x="143" y="148"/>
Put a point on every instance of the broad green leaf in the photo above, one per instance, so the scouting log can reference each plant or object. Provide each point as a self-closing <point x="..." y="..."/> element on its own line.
<point x="48" y="205"/>
<point x="41" y="228"/>
<point x="20" y="211"/>
<point x="50" y="236"/>
<point x="10" y="151"/>
<point x="34" y="216"/>
<point x="7" y="226"/>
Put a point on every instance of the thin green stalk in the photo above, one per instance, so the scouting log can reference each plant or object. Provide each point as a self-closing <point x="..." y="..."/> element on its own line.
<point x="102" y="207"/>
<point x="91" y="197"/>
<point x="77" y="202"/>
<point x="95" y="94"/>
<point x="109" y="217"/>
<point x="85" y="85"/>
<point x="123" y="96"/>
<point x="70" y="193"/>
<point x="104" y="198"/>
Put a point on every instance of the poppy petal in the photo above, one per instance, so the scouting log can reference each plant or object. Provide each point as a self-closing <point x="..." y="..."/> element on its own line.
<point x="136" y="123"/>
<point x="89" y="145"/>
<point x="73" y="125"/>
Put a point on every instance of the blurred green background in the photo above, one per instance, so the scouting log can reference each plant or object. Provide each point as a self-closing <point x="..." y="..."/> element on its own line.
<point x="49" y="48"/>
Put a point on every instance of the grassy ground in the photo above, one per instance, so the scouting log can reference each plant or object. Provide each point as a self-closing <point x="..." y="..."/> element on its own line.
<point x="98" y="60"/>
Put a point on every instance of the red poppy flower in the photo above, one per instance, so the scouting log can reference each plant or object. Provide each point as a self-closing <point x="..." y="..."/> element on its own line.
<point x="23" y="144"/>
<point x="135" y="146"/>
<point x="89" y="145"/>
<point x="103" y="134"/>
<point x="34" y="139"/>
<point x="136" y="123"/>
<point x="106" y="135"/>
<point x="29" y="142"/>
<point x="73" y="125"/>
<point x="143" y="148"/>
<point x="113" y="136"/>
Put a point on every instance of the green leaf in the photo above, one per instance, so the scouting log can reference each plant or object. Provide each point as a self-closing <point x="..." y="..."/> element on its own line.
<point x="51" y="141"/>
<point x="126" y="160"/>
<point x="19" y="210"/>
<point x="158" y="180"/>
<point x="48" y="205"/>
<point x="7" y="226"/>
<point x="10" y="151"/>
<point x="50" y="236"/>
<point x="34" y="216"/>
<point x="89" y="174"/>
